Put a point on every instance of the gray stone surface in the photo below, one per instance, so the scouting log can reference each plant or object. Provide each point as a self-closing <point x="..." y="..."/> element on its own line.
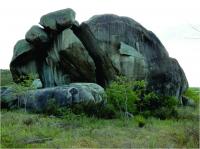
<point x="90" y="91"/>
<point x="114" y="29"/>
<point x="58" y="20"/>
<point x="37" y="36"/>
<point x="163" y="74"/>
<point x="68" y="61"/>
<point x="37" y="100"/>
<point x="167" y="77"/>
<point x="21" y="47"/>
<point x="105" y="72"/>
<point x="23" y="60"/>
<point x="129" y="62"/>
<point x="8" y="97"/>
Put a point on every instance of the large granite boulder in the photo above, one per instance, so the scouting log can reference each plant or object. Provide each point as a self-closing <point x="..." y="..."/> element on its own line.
<point x="125" y="38"/>
<point x="37" y="100"/>
<point x="96" y="51"/>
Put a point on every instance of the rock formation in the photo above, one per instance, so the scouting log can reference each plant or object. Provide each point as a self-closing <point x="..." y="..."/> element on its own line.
<point x="62" y="51"/>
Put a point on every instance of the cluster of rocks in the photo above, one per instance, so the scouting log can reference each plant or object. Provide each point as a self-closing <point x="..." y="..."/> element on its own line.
<point x="61" y="51"/>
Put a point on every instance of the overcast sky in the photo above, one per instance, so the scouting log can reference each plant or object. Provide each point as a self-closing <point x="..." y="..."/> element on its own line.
<point x="173" y="21"/>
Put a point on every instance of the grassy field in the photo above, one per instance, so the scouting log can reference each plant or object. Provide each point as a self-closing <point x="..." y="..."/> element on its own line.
<point x="20" y="129"/>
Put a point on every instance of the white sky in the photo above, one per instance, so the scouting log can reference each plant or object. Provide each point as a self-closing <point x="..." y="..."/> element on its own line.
<point x="170" y="20"/>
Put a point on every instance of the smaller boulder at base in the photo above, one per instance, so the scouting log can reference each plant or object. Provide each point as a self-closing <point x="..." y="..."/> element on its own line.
<point x="38" y="99"/>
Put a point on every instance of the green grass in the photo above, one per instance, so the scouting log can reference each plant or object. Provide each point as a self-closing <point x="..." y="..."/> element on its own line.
<point x="193" y="93"/>
<point x="20" y="129"/>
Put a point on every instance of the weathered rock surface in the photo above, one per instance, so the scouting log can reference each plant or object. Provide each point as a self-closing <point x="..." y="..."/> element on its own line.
<point x="69" y="51"/>
<point x="130" y="62"/>
<point x="105" y="72"/>
<point x="97" y="51"/>
<point x="163" y="74"/>
<point x="37" y="36"/>
<point x="67" y="61"/>
<point x="8" y="97"/>
<point x="167" y="77"/>
<point x="23" y="61"/>
<point x="58" y="20"/>
<point x="38" y="100"/>
<point x="22" y="47"/>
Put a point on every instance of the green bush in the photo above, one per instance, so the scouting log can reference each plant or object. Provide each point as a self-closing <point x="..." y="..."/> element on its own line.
<point x="156" y="105"/>
<point x="133" y="97"/>
<point x="24" y="85"/>
<point x="139" y="87"/>
<point x="90" y="109"/>
<point x="100" y="110"/>
<point x="120" y="94"/>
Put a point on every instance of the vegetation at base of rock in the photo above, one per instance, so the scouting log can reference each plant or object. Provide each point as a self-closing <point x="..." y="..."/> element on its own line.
<point x="158" y="106"/>
<point x="90" y="109"/>
<point x="28" y="130"/>
<point x="133" y="97"/>
<point x="123" y="97"/>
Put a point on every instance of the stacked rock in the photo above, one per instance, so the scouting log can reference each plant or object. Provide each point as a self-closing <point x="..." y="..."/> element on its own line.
<point x="61" y="51"/>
